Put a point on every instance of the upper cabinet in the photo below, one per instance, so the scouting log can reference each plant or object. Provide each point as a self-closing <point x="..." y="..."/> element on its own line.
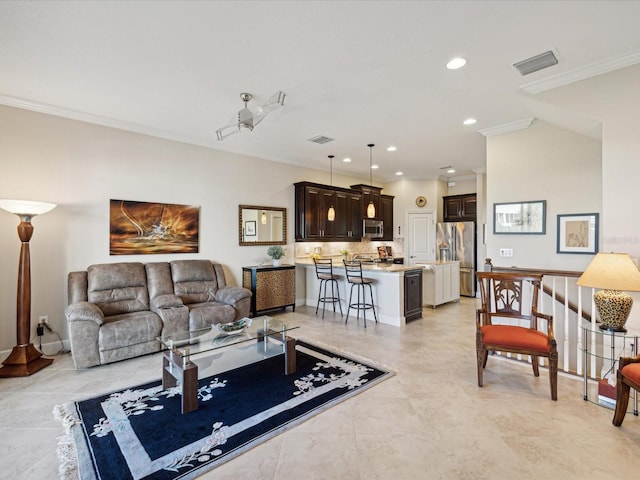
<point x="348" y="223"/>
<point x="369" y="194"/>
<point x="311" y="220"/>
<point x="459" y="208"/>
<point x="386" y="207"/>
<point x="312" y="202"/>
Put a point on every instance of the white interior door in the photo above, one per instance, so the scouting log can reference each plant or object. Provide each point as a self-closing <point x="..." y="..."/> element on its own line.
<point x="421" y="237"/>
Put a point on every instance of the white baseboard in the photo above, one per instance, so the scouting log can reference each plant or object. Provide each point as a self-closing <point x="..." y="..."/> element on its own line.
<point x="48" y="349"/>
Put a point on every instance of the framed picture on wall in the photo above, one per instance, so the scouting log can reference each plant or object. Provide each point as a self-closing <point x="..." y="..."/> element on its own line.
<point x="578" y="233"/>
<point x="141" y="228"/>
<point x="250" y="228"/>
<point x="520" y="218"/>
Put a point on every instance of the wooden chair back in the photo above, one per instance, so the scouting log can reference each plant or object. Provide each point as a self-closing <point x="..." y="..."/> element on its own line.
<point x="507" y="321"/>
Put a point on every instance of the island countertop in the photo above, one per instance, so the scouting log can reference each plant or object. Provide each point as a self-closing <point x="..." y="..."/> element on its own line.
<point x="382" y="267"/>
<point x="388" y="287"/>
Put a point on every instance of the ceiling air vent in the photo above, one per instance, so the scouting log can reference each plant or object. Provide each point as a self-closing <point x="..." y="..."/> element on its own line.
<point x="320" y="139"/>
<point x="534" y="64"/>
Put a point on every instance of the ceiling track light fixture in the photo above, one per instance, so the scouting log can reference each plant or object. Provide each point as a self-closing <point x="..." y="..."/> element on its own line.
<point x="331" y="213"/>
<point x="371" y="209"/>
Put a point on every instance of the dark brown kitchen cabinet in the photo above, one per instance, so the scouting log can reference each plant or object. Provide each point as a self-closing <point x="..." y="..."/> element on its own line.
<point x="313" y="221"/>
<point x="312" y="202"/>
<point x="348" y="224"/>
<point x="413" y="294"/>
<point x="459" y="208"/>
<point x="386" y="206"/>
<point x="370" y="194"/>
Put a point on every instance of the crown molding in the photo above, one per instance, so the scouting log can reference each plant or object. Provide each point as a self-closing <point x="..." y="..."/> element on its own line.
<point x="507" y="127"/>
<point x="71" y="114"/>
<point x="463" y="178"/>
<point x="582" y="73"/>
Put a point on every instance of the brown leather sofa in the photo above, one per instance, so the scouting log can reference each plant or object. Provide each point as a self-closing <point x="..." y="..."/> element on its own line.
<point x="117" y="310"/>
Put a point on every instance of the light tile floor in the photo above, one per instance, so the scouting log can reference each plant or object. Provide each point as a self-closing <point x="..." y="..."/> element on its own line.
<point x="430" y="421"/>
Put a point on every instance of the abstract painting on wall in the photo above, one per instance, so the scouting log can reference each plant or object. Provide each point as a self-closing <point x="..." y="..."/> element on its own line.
<point x="147" y="228"/>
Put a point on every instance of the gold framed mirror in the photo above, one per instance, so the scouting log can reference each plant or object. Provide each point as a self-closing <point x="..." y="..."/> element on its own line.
<point x="259" y="225"/>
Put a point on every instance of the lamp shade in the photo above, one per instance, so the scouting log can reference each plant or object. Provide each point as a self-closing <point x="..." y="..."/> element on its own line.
<point x="371" y="210"/>
<point x="331" y="214"/>
<point x="611" y="271"/>
<point x="26" y="207"/>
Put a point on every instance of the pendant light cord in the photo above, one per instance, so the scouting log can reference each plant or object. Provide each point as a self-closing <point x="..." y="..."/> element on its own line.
<point x="371" y="145"/>
<point x="331" y="170"/>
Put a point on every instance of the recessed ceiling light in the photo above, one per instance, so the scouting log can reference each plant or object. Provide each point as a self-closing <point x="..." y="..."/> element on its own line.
<point x="469" y="121"/>
<point x="451" y="170"/>
<point x="456" y="63"/>
<point x="346" y="160"/>
<point x="399" y="173"/>
<point x="374" y="167"/>
<point x="391" y="148"/>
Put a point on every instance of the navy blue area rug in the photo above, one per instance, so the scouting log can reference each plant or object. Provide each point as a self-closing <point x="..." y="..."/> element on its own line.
<point x="140" y="432"/>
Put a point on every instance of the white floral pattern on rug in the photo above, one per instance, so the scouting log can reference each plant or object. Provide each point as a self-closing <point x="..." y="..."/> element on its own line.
<point x="207" y="452"/>
<point x="309" y="382"/>
<point x="137" y="402"/>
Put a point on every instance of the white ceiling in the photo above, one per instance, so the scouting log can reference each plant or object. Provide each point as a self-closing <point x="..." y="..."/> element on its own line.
<point x="359" y="72"/>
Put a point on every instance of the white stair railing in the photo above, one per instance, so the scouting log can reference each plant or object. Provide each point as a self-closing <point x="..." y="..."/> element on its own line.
<point x="573" y="325"/>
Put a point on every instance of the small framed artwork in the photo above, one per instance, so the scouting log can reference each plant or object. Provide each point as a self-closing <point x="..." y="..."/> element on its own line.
<point x="520" y="218"/>
<point x="250" y="228"/>
<point x="578" y="233"/>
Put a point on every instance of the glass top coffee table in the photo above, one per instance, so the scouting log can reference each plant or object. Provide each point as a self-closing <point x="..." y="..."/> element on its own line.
<point x="178" y="369"/>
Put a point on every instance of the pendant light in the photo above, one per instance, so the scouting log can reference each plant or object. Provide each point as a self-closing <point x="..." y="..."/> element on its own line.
<point x="331" y="213"/>
<point x="371" y="209"/>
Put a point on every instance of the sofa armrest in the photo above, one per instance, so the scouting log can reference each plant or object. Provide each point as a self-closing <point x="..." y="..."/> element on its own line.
<point x="165" y="301"/>
<point x="84" y="320"/>
<point x="84" y="311"/>
<point x="232" y="295"/>
<point x="173" y="313"/>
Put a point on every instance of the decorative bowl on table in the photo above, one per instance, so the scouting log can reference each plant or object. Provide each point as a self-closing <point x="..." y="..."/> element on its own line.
<point x="234" y="328"/>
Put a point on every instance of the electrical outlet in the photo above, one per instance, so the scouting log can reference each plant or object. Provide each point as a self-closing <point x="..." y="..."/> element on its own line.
<point x="506" y="252"/>
<point x="43" y="319"/>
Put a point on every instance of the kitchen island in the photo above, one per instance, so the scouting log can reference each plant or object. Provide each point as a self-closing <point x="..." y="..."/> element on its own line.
<point x="441" y="282"/>
<point x="390" y="296"/>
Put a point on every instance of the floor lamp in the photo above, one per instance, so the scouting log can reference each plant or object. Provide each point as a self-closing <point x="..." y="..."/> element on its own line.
<point x="24" y="359"/>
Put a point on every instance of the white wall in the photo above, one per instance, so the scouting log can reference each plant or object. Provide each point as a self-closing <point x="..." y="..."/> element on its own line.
<point x="466" y="184"/>
<point x="542" y="162"/>
<point x="613" y="99"/>
<point x="405" y="193"/>
<point x="81" y="166"/>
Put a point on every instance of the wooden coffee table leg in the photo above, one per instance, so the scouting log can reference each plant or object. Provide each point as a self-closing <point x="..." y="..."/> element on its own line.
<point x="190" y="388"/>
<point x="289" y="355"/>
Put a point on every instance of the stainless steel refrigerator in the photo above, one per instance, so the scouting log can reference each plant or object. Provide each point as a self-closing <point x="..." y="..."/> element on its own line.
<point x="457" y="241"/>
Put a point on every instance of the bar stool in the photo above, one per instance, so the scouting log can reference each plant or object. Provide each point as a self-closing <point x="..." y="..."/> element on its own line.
<point x="324" y="272"/>
<point x="355" y="278"/>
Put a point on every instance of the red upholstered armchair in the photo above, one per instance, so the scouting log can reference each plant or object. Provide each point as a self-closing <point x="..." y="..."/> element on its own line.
<point x="628" y="377"/>
<point x="502" y="324"/>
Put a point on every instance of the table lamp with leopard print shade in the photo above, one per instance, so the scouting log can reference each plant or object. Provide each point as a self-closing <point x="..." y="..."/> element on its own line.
<point x="613" y="273"/>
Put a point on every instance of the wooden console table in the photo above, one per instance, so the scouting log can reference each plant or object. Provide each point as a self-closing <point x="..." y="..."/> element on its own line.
<point x="272" y="287"/>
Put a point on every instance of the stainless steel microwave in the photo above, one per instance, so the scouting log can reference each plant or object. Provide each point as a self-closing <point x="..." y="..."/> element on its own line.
<point x="372" y="228"/>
